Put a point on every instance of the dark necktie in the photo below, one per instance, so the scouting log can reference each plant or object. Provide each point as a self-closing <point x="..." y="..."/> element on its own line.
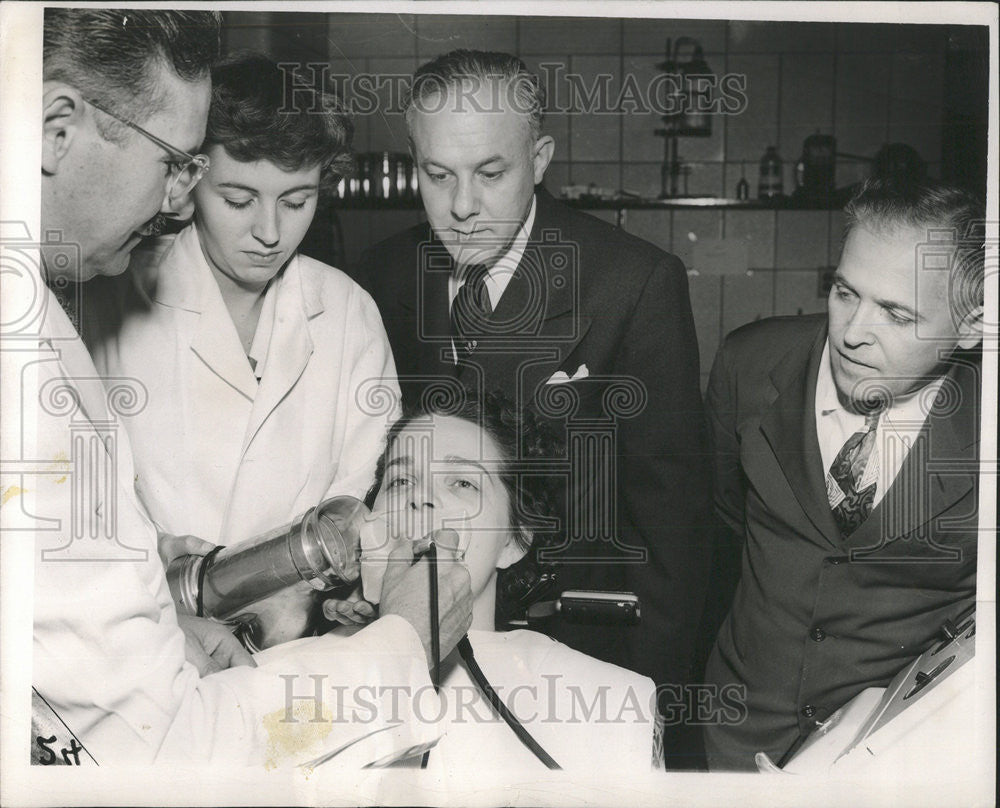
<point x="850" y="505"/>
<point x="470" y="310"/>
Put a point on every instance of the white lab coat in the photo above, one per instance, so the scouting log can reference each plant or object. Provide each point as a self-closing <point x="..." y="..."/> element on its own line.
<point x="591" y="716"/>
<point x="218" y="455"/>
<point x="108" y="654"/>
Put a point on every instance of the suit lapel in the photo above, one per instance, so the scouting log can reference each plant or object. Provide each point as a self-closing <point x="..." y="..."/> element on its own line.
<point x="183" y="280"/>
<point x="427" y="304"/>
<point x="535" y="314"/>
<point x="217" y="344"/>
<point x="939" y="469"/>
<point x="789" y="427"/>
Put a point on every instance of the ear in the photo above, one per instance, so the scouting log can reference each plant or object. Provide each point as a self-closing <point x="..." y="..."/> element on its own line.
<point x="544" y="148"/>
<point x="970" y="329"/>
<point x="512" y="552"/>
<point x="181" y="209"/>
<point x="62" y="119"/>
<point x="178" y="208"/>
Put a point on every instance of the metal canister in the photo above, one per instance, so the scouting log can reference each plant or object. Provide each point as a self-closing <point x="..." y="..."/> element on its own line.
<point x="321" y="548"/>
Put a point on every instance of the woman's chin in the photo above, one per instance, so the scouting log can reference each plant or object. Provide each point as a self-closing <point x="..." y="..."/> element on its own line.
<point x="484" y="599"/>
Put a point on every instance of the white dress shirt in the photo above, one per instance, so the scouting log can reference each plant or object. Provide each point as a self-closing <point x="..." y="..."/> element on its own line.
<point x="501" y="272"/>
<point x="897" y="428"/>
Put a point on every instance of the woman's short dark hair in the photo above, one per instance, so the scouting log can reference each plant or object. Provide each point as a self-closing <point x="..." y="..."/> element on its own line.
<point x="535" y="500"/>
<point x="115" y="56"/>
<point x="256" y="115"/>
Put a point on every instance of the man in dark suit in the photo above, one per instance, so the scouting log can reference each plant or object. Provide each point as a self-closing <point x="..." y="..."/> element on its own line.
<point x="846" y="451"/>
<point x="506" y="288"/>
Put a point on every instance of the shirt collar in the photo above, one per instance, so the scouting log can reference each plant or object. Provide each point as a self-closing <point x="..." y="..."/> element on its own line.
<point x="509" y="260"/>
<point x="914" y="408"/>
<point x="827" y="401"/>
<point x="506" y="265"/>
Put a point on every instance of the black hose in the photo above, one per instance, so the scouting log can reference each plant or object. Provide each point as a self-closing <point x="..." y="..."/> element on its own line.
<point x="465" y="651"/>
<point x="435" y="633"/>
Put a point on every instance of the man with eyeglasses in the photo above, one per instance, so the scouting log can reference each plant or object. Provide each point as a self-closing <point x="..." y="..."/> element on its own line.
<point x="126" y="97"/>
<point x="90" y="149"/>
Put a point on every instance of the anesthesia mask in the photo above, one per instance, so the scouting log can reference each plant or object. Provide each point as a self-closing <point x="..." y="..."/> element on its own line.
<point x="383" y="532"/>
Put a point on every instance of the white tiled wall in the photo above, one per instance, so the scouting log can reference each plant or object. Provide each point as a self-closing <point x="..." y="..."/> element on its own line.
<point x="867" y="84"/>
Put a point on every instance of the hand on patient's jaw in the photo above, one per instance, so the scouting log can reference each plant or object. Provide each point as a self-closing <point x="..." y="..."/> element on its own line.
<point x="406" y="592"/>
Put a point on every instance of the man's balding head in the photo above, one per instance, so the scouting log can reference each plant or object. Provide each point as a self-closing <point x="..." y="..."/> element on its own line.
<point x="473" y="120"/>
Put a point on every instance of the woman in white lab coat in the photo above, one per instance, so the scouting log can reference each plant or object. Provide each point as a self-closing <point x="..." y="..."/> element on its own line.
<point x="466" y="467"/>
<point x="270" y="379"/>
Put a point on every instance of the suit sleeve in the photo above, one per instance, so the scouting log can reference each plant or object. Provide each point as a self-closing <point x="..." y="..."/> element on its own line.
<point x="665" y="477"/>
<point x="729" y="487"/>
<point x="363" y="271"/>
<point x="729" y="498"/>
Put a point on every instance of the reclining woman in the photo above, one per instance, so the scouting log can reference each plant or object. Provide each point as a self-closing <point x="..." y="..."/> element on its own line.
<point x="466" y="465"/>
<point x="251" y="354"/>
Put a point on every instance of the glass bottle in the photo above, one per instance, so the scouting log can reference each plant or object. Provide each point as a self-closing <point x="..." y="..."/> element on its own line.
<point x="770" y="186"/>
<point x="743" y="187"/>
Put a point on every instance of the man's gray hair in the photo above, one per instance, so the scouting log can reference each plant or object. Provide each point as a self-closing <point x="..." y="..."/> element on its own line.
<point x="434" y="84"/>
<point x="882" y="205"/>
<point x="115" y="56"/>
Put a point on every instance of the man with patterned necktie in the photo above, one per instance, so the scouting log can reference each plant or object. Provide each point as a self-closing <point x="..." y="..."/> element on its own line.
<point x="846" y="448"/>
<point x="590" y="327"/>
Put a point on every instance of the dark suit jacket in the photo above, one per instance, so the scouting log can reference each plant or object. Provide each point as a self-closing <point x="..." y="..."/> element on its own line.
<point x="817" y="619"/>
<point x="586" y="293"/>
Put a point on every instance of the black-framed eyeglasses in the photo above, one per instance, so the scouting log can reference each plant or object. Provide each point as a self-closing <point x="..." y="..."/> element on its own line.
<point x="184" y="173"/>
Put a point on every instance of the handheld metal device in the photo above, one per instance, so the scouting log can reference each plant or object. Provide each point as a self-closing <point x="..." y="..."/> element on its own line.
<point x="320" y="548"/>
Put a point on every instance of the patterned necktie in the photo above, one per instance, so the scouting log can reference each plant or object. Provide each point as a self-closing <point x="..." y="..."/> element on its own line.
<point x="850" y="485"/>
<point x="471" y="309"/>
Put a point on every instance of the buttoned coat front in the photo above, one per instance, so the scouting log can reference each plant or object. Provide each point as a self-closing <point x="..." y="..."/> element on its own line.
<point x="816" y="618"/>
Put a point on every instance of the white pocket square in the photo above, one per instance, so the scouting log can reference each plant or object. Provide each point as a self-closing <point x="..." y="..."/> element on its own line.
<point x="560" y="377"/>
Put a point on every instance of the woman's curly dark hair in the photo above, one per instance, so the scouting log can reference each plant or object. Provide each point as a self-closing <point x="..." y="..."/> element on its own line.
<point x="256" y="114"/>
<point x="535" y="500"/>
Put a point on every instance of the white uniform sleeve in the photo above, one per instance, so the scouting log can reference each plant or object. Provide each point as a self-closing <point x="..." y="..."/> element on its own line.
<point x="109" y="655"/>
<point x="374" y="394"/>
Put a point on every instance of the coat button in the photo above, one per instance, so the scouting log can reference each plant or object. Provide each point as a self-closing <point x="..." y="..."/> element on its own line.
<point x="808" y="711"/>
<point x="817" y="634"/>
